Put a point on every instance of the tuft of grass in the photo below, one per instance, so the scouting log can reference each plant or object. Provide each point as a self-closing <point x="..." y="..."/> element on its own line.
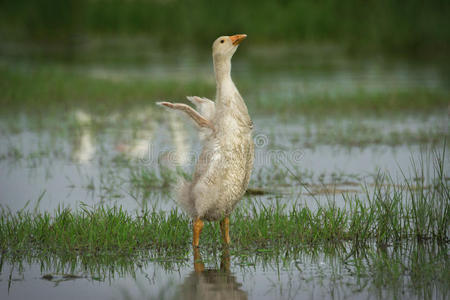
<point x="150" y="178"/>
<point x="91" y="231"/>
<point x="394" y="237"/>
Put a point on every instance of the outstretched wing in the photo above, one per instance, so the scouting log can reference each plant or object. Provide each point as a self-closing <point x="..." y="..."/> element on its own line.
<point x="195" y="115"/>
<point x="205" y="107"/>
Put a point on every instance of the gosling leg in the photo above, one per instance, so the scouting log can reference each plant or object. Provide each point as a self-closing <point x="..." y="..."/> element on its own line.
<point x="198" y="263"/>
<point x="225" y="260"/>
<point x="225" y="228"/>
<point x="197" y="228"/>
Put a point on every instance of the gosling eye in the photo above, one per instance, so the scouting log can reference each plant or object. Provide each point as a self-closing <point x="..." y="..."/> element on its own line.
<point x="221" y="41"/>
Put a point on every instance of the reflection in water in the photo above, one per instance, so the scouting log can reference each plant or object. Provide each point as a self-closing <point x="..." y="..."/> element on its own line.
<point x="211" y="283"/>
<point x="144" y="144"/>
<point x="138" y="148"/>
<point x="180" y="140"/>
<point x="142" y="135"/>
<point x="413" y="270"/>
<point x="83" y="148"/>
<point x="179" y="156"/>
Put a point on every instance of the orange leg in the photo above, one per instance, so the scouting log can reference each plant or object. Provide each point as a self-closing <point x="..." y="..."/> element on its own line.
<point x="198" y="263"/>
<point x="225" y="228"/>
<point x="225" y="260"/>
<point x="198" y="226"/>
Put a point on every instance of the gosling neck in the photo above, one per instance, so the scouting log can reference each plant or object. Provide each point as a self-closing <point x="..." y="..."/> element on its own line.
<point x="222" y="71"/>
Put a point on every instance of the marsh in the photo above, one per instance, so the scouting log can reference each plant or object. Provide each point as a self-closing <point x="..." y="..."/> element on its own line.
<point x="348" y="197"/>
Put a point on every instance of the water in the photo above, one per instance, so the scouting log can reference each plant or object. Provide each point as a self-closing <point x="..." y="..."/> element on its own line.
<point x="306" y="275"/>
<point x="99" y="160"/>
<point x="83" y="167"/>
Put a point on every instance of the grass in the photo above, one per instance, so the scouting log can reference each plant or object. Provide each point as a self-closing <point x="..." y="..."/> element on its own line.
<point x="44" y="90"/>
<point x="394" y="237"/>
<point x="150" y="179"/>
<point x="415" y="100"/>
<point x="383" y="244"/>
<point x="388" y="214"/>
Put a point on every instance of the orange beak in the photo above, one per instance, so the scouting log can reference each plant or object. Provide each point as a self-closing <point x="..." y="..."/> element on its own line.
<point x="237" y="38"/>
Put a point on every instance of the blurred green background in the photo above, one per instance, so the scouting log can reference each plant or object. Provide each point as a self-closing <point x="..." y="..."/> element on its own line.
<point x="300" y="56"/>
<point x="413" y="26"/>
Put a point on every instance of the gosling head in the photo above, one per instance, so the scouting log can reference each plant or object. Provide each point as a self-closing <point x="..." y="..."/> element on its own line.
<point x="225" y="46"/>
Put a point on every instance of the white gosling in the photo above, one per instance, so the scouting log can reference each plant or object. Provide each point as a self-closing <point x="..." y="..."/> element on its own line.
<point x="223" y="169"/>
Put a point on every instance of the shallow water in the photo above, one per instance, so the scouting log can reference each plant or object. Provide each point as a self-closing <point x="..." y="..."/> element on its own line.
<point x="71" y="167"/>
<point x="84" y="165"/>
<point x="312" y="276"/>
